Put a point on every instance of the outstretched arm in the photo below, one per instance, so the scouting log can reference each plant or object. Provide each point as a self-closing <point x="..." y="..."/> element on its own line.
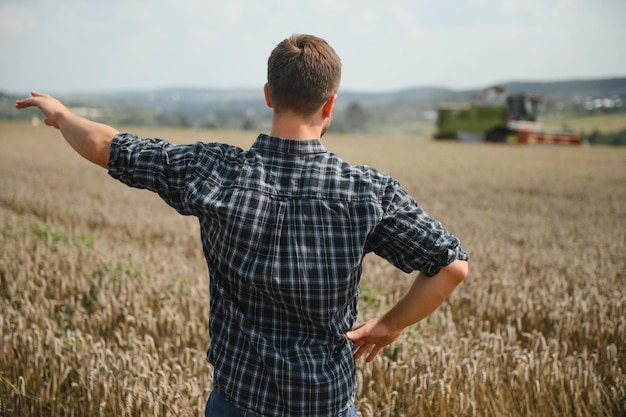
<point x="90" y="139"/>
<point x="424" y="296"/>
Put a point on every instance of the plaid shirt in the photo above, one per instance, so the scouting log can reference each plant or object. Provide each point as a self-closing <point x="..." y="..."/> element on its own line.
<point x="285" y="226"/>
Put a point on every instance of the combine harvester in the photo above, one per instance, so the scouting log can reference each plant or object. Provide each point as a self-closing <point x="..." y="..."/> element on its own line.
<point x="495" y="116"/>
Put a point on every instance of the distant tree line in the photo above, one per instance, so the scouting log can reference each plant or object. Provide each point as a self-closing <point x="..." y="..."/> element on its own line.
<point x="387" y="119"/>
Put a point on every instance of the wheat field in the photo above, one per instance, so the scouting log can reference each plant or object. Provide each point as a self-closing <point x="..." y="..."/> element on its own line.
<point x="104" y="290"/>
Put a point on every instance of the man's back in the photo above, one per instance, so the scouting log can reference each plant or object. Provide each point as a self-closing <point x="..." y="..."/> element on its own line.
<point x="284" y="250"/>
<point x="285" y="227"/>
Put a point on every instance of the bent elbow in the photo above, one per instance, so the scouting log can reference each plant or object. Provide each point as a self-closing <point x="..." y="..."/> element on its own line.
<point x="459" y="269"/>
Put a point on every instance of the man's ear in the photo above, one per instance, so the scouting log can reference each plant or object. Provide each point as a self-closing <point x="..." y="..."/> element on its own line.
<point x="329" y="105"/>
<point x="266" y="92"/>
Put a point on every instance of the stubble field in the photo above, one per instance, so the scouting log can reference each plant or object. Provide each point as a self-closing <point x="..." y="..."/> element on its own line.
<point x="104" y="291"/>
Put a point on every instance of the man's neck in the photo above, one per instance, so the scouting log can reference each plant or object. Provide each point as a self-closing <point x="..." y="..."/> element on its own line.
<point x="290" y="126"/>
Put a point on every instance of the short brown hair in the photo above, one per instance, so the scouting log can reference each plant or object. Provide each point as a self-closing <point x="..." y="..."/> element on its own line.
<point x="303" y="71"/>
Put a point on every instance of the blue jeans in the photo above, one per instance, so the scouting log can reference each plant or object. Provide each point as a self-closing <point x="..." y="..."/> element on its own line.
<point x="217" y="406"/>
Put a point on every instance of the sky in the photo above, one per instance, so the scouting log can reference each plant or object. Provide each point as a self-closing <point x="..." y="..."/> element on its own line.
<point x="70" y="46"/>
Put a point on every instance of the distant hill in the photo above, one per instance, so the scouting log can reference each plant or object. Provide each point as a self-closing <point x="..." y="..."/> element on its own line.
<point x="356" y="111"/>
<point x="567" y="89"/>
<point x="188" y="99"/>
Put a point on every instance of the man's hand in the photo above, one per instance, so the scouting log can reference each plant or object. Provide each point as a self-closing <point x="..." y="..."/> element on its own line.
<point x="372" y="336"/>
<point x="425" y="295"/>
<point x="51" y="108"/>
<point x="90" y="139"/>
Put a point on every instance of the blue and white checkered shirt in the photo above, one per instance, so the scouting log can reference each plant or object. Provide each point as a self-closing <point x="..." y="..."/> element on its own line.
<point x="285" y="226"/>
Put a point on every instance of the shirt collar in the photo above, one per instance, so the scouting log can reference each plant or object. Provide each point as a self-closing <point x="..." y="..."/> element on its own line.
<point x="290" y="146"/>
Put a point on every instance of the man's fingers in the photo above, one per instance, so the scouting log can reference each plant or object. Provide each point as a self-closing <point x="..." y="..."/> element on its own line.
<point x="360" y="351"/>
<point x="26" y="102"/>
<point x="369" y="338"/>
<point x="352" y="335"/>
<point x="30" y="101"/>
<point x="373" y="353"/>
<point x="355" y="333"/>
<point x="363" y="349"/>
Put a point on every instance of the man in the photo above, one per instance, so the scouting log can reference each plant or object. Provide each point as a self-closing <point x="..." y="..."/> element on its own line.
<point x="285" y="226"/>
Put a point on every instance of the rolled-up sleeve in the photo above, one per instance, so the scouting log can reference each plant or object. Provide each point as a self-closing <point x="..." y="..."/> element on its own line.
<point x="153" y="164"/>
<point x="411" y="240"/>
